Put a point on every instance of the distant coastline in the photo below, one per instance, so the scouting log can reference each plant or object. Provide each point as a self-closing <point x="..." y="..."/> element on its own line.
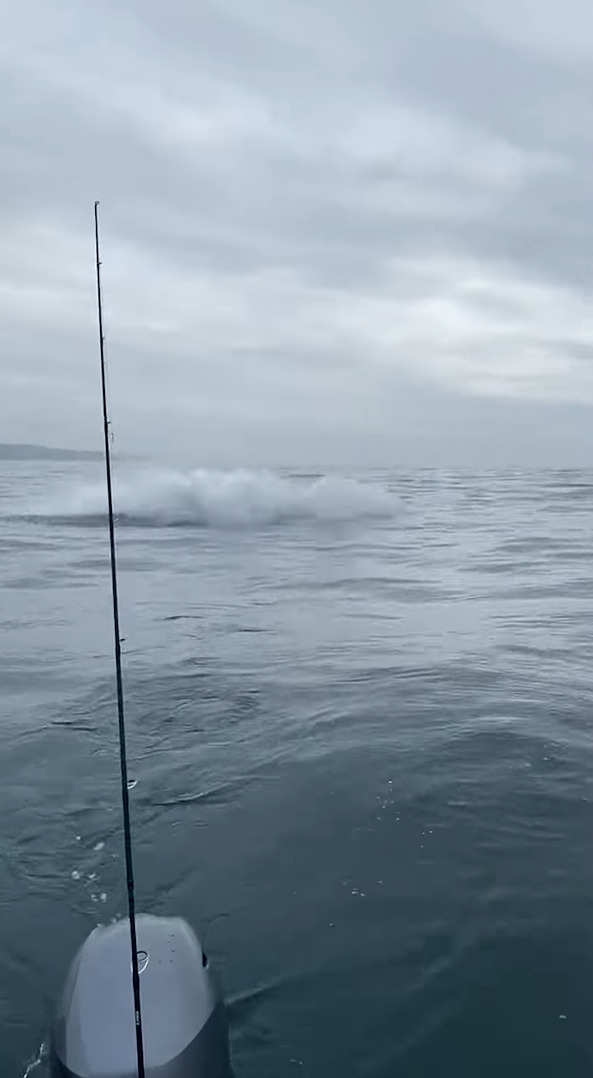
<point x="25" y="451"/>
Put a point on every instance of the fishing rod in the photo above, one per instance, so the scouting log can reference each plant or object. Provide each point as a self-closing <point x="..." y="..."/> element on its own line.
<point x="125" y="796"/>
<point x="185" y="1018"/>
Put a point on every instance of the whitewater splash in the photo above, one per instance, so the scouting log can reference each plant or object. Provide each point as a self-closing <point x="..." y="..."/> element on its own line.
<point x="222" y="499"/>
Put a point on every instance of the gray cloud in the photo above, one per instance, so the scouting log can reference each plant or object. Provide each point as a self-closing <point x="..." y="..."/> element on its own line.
<point x="330" y="230"/>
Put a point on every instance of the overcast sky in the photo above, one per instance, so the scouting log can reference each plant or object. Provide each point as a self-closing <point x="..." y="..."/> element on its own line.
<point x="333" y="230"/>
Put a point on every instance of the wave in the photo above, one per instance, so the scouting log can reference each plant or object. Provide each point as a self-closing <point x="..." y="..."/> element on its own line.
<point x="233" y="499"/>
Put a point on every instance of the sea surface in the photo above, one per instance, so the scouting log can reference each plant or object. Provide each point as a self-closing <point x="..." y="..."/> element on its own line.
<point x="361" y="729"/>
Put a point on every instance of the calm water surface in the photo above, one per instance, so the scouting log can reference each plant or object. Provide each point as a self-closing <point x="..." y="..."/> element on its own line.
<point x="360" y="721"/>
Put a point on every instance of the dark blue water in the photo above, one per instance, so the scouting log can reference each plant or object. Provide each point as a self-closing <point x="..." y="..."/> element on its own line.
<point x="360" y="721"/>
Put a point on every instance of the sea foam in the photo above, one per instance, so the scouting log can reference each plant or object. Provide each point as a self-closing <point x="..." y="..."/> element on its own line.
<point x="241" y="498"/>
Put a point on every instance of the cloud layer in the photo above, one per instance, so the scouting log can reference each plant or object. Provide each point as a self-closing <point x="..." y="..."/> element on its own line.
<point x="330" y="230"/>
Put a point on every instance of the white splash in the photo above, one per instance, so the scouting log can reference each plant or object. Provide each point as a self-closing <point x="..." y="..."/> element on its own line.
<point x="224" y="499"/>
<point x="36" y="1062"/>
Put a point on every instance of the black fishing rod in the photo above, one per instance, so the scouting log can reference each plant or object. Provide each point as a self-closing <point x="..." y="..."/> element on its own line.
<point x="125" y="797"/>
<point x="185" y="1019"/>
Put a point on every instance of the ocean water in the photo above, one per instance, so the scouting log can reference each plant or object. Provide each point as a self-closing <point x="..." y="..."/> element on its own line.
<point x="360" y="725"/>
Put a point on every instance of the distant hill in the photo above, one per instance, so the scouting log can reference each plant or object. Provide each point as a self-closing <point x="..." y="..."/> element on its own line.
<point x="44" y="452"/>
